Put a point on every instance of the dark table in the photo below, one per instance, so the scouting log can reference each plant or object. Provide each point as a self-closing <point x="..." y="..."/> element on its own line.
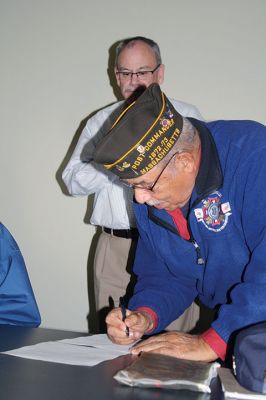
<point x="24" y="379"/>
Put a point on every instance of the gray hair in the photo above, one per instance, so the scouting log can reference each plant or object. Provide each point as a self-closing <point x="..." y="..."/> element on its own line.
<point x="129" y="42"/>
<point x="185" y="143"/>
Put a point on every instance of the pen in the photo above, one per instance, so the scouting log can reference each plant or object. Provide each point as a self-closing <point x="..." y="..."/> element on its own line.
<point x="123" y="311"/>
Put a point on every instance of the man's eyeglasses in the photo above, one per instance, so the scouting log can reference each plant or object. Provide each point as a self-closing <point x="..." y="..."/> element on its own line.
<point x="142" y="75"/>
<point x="150" y="186"/>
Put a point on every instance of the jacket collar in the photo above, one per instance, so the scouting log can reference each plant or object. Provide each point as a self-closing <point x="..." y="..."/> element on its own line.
<point x="209" y="178"/>
<point x="210" y="175"/>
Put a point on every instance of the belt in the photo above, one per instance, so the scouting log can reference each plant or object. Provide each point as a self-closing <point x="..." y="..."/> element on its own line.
<point x="122" y="233"/>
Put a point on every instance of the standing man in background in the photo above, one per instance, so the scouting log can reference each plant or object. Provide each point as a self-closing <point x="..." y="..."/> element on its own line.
<point x="138" y="63"/>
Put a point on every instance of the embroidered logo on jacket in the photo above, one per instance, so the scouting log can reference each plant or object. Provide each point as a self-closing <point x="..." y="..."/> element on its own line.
<point x="213" y="214"/>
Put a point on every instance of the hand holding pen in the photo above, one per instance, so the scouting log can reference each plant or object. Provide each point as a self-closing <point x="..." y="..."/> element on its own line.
<point x="137" y="323"/>
<point x="123" y="311"/>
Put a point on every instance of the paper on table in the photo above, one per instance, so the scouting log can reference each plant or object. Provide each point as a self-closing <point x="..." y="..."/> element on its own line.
<point x="100" y="341"/>
<point x="232" y="389"/>
<point x="85" y="350"/>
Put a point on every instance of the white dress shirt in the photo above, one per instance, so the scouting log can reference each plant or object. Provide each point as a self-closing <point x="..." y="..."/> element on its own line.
<point x="112" y="206"/>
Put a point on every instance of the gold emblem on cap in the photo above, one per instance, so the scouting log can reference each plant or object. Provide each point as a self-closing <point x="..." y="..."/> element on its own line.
<point x="164" y="122"/>
<point x="141" y="149"/>
<point x="122" y="167"/>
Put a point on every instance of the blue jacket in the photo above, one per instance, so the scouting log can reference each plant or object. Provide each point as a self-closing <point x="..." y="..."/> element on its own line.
<point x="17" y="302"/>
<point x="224" y="262"/>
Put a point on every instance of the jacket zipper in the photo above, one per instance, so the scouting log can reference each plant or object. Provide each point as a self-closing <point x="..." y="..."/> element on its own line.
<point x="200" y="259"/>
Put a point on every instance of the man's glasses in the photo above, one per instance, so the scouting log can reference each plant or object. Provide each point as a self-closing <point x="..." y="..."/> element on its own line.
<point x="150" y="186"/>
<point x="142" y="75"/>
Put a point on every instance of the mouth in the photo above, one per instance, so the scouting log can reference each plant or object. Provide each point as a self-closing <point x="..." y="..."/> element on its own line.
<point x="156" y="204"/>
<point x="162" y="205"/>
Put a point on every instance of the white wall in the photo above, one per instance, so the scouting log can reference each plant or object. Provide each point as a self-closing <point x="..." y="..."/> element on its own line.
<point x="54" y="57"/>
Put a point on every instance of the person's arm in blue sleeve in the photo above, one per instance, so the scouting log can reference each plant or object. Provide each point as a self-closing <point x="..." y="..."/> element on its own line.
<point x="155" y="281"/>
<point x="247" y="304"/>
<point x="17" y="302"/>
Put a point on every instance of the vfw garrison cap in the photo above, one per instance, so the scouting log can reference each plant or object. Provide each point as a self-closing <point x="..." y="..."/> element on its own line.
<point x="141" y="136"/>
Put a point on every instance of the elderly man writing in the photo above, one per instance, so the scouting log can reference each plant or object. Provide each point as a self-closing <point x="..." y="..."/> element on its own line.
<point x="138" y="63"/>
<point x="202" y="223"/>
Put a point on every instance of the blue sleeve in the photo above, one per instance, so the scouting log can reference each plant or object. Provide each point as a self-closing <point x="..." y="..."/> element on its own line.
<point x="247" y="304"/>
<point x="17" y="302"/>
<point x="157" y="287"/>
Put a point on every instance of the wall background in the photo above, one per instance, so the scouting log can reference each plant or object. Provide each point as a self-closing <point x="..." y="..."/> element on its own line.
<point x="54" y="60"/>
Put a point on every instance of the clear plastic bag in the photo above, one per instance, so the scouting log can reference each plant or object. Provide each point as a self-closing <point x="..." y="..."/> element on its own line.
<point x="156" y="370"/>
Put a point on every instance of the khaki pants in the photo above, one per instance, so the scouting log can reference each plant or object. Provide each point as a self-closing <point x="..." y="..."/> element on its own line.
<point x="113" y="262"/>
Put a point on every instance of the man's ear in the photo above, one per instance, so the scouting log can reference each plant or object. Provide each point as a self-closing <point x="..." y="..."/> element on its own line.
<point x="185" y="162"/>
<point x="161" y="70"/>
<point x="117" y="77"/>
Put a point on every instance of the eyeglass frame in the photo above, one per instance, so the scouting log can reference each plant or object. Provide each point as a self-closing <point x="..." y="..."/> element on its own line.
<point x="152" y="185"/>
<point x="129" y="75"/>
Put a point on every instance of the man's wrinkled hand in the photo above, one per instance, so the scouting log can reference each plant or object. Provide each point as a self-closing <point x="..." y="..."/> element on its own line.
<point x="177" y="344"/>
<point x="138" y="322"/>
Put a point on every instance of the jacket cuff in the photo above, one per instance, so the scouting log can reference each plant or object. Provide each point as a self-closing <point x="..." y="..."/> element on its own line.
<point x="153" y="315"/>
<point x="215" y="341"/>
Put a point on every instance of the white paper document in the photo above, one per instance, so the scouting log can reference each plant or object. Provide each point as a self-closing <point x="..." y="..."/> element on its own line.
<point x="84" y="350"/>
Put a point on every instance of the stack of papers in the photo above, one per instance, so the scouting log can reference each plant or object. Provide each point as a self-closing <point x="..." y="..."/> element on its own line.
<point x="85" y="350"/>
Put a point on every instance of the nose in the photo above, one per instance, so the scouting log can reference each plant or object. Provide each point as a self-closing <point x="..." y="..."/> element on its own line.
<point x="134" y="79"/>
<point x="142" y="195"/>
